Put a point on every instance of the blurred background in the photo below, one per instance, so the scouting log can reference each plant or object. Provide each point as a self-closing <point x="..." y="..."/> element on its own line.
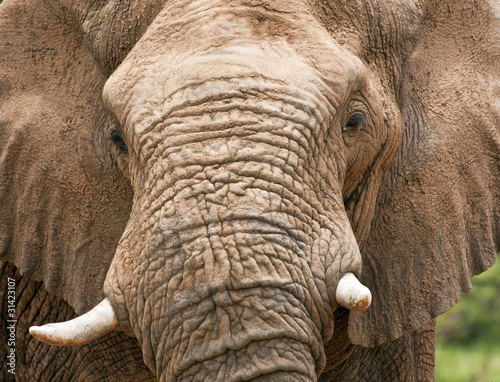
<point x="468" y="335"/>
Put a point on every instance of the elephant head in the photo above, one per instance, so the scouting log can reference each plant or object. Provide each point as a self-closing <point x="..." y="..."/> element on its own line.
<point x="222" y="173"/>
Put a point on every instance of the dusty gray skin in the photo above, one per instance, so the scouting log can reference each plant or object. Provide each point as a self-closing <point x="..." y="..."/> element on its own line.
<point x="213" y="169"/>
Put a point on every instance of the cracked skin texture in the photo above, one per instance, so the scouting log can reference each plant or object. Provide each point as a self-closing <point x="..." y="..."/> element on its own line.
<point x="215" y="167"/>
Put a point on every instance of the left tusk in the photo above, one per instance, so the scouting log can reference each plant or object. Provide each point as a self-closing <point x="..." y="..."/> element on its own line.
<point x="351" y="294"/>
<point x="94" y="324"/>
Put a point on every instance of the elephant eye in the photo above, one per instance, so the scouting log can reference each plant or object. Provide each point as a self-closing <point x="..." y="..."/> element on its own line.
<point x="354" y="122"/>
<point x="119" y="142"/>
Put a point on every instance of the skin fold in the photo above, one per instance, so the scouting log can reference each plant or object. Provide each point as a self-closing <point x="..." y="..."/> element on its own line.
<point x="214" y="169"/>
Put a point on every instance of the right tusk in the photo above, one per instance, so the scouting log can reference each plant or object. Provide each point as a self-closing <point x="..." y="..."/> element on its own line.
<point x="351" y="294"/>
<point x="94" y="324"/>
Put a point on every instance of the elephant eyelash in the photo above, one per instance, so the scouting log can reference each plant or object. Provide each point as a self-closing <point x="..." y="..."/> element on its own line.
<point x="356" y="120"/>
<point x="119" y="142"/>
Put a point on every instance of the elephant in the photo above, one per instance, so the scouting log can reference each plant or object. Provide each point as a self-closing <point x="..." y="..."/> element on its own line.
<point x="236" y="190"/>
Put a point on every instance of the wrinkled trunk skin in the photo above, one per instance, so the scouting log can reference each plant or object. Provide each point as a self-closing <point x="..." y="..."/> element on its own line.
<point x="238" y="235"/>
<point x="235" y="243"/>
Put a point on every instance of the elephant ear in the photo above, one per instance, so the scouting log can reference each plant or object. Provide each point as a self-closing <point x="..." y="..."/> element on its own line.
<point x="437" y="222"/>
<point x="63" y="202"/>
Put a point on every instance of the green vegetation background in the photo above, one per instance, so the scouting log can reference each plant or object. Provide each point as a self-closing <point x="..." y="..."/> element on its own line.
<point x="468" y="335"/>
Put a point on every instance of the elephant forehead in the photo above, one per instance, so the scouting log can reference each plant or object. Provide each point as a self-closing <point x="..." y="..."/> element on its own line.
<point x="227" y="74"/>
<point x="227" y="48"/>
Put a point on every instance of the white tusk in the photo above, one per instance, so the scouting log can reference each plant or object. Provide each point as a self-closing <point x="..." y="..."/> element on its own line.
<point x="94" y="324"/>
<point x="351" y="294"/>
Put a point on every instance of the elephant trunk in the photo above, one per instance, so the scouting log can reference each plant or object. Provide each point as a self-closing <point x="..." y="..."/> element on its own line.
<point x="230" y="299"/>
<point x="238" y="235"/>
<point x="240" y="335"/>
<point x="266" y="360"/>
